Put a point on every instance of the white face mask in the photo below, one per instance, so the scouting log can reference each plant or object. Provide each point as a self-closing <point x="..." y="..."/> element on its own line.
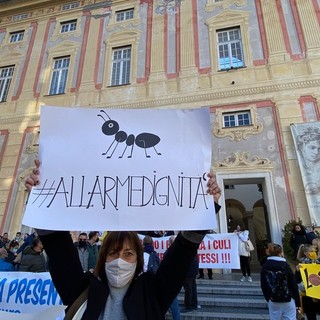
<point x="119" y="272"/>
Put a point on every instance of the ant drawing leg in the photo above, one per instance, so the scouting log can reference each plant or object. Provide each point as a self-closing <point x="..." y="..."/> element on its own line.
<point x="158" y="153"/>
<point x="123" y="151"/>
<point x="131" y="152"/>
<point x="108" y="157"/>
<point x="109" y="148"/>
<point x="145" y="151"/>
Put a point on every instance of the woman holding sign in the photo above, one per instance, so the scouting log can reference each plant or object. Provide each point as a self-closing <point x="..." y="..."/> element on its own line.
<point x="119" y="287"/>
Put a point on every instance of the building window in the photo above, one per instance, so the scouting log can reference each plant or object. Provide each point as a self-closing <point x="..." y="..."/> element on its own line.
<point x="236" y="119"/>
<point x="16" y="36"/>
<point x="121" y="63"/>
<point x="68" y="26"/>
<point x="230" y="49"/>
<point x="70" y="6"/>
<point x="124" y="15"/>
<point x="6" y="74"/>
<point x="59" y="75"/>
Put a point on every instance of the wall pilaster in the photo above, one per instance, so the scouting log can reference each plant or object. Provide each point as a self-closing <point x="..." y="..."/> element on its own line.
<point x="309" y="24"/>
<point x="188" y="65"/>
<point x="157" y="48"/>
<point x="275" y="39"/>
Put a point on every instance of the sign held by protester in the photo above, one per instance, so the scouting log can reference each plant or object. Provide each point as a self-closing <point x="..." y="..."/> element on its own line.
<point x="27" y="292"/>
<point x="118" y="169"/>
<point x="216" y="251"/>
<point x="310" y="274"/>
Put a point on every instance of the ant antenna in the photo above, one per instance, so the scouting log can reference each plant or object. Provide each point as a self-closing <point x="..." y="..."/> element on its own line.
<point x="99" y="115"/>
<point x="105" y="114"/>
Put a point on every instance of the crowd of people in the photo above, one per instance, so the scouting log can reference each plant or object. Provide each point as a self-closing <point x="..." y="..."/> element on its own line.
<point x="25" y="253"/>
<point x="283" y="287"/>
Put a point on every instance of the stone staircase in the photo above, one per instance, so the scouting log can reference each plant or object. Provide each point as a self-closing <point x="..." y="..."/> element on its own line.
<point x="225" y="297"/>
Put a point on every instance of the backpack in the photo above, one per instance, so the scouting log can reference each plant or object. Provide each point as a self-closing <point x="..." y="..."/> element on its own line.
<point x="153" y="263"/>
<point x="278" y="286"/>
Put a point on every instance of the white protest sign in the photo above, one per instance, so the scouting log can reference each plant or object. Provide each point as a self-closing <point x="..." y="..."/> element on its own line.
<point x="27" y="292"/>
<point x="216" y="251"/>
<point x="118" y="169"/>
<point x="219" y="251"/>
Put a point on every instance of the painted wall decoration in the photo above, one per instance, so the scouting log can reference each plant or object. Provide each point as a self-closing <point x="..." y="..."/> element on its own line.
<point x="121" y="169"/>
<point x="306" y="138"/>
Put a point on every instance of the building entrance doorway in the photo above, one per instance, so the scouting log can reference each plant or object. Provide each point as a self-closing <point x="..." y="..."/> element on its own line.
<point x="248" y="200"/>
<point x="245" y="207"/>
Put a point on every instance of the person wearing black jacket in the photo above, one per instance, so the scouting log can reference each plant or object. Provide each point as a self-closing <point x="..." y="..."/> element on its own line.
<point x="298" y="237"/>
<point x="33" y="258"/>
<point x="119" y="286"/>
<point x="287" y="308"/>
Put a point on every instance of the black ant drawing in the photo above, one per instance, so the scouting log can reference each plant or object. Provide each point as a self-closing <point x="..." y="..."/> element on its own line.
<point x="143" y="140"/>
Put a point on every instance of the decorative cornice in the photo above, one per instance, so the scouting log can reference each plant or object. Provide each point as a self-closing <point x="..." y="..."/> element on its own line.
<point x="47" y="8"/>
<point x="212" y="96"/>
<point x="242" y="160"/>
<point x="20" y="119"/>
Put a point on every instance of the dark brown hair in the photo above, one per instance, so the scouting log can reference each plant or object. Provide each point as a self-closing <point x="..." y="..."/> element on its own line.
<point x="114" y="241"/>
<point x="36" y="241"/>
<point x="92" y="234"/>
<point x="13" y="243"/>
<point x="274" y="249"/>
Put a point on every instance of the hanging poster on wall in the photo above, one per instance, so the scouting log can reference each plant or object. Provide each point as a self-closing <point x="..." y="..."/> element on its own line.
<point x="306" y="138"/>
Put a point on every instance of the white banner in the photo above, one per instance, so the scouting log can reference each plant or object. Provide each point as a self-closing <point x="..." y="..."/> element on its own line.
<point x="216" y="251"/>
<point x="306" y="138"/>
<point x="28" y="293"/>
<point x="117" y="169"/>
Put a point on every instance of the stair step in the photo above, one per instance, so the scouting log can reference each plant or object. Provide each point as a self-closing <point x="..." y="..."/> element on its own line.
<point x="212" y="315"/>
<point x="228" y="302"/>
<point x="229" y="290"/>
<point x="226" y="297"/>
